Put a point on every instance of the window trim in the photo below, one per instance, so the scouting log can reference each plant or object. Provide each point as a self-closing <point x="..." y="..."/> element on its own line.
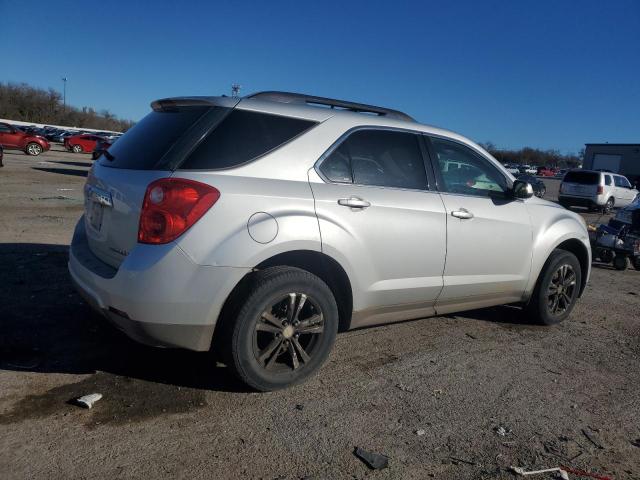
<point x="430" y="186"/>
<point x="438" y="175"/>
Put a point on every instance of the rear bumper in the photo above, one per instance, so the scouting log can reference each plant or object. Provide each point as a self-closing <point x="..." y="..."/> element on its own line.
<point x="580" y="201"/>
<point x="158" y="296"/>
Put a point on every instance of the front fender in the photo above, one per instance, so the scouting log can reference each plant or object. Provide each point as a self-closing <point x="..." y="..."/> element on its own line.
<point x="553" y="226"/>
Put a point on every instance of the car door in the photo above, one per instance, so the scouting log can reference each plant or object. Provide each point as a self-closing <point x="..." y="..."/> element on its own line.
<point x="381" y="221"/>
<point x="489" y="234"/>
<point x="625" y="193"/>
<point x="9" y="137"/>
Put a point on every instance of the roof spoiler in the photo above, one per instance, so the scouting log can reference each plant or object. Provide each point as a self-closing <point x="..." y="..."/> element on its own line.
<point x="301" y="99"/>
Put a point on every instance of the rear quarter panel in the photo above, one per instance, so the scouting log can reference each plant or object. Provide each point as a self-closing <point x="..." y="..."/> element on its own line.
<point x="221" y="237"/>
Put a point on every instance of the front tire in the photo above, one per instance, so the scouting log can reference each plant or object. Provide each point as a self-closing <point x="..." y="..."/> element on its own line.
<point x="34" y="149"/>
<point x="284" y="328"/>
<point x="557" y="289"/>
<point x="76" y="149"/>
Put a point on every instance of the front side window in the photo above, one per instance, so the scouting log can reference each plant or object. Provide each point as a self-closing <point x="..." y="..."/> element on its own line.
<point x="618" y="181"/>
<point x="383" y="158"/>
<point x="465" y="172"/>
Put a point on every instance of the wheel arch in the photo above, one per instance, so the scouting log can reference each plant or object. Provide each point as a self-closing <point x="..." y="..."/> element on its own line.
<point x="320" y="264"/>
<point x="327" y="269"/>
<point x="575" y="246"/>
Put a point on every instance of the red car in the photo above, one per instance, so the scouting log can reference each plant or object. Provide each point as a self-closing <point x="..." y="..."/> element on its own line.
<point x="546" y="172"/>
<point x="13" y="138"/>
<point x="81" y="143"/>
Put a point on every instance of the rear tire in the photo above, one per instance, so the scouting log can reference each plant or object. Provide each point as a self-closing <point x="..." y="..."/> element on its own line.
<point x="34" y="149"/>
<point x="606" y="255"/>
<point x="284" y="328"/>
<point x="636" y="263"/>
<point x="608" y="207"/>
<point x="621" y="262"/>
<point x="557" y="289"/>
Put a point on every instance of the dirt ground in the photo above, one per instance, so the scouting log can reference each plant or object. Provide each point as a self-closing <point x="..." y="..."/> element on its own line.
<point x="565" y="395"/>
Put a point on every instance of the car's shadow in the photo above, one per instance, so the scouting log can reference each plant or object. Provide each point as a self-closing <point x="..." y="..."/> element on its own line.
<point x="46" y="327"/>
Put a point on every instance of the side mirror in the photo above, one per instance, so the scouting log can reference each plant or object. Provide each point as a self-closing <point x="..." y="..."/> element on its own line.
<point x="522" y="190"/>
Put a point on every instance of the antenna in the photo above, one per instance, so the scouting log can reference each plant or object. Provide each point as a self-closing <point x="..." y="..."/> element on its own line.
<point x="235" y="90"/>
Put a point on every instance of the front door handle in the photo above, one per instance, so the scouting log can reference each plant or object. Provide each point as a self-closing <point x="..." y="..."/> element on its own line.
<point x="354" y="202"/>
<point x="463" y="213"/>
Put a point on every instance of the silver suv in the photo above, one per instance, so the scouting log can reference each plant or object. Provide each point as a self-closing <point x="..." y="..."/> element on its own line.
<point x="259" y="227"/>
<point x="596" y="190"/>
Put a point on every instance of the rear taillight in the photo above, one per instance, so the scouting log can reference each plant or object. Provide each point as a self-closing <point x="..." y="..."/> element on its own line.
<point x="600" y="189"/>
<point x="171" y="206"/>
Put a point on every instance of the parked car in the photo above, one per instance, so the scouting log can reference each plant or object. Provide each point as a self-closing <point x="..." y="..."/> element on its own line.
<point x="527" y="169"/>
<point x="102" y="145"/>
<point x="512" y="168"/>
<point x="259" y="227"/>
<point x="13" y="138"/>
<point x="595" y="190"/>
<point x="81" y="143"/>
<point x="539" y="188"/>
<point x="546" y="172"/>
<point x="560" y="173"/>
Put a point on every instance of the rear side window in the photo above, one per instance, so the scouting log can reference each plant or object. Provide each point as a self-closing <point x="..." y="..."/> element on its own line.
<point x="143" y="146"/>
<point x="622" y="182"/>
<point x="379" y="158"/>
<point x="584" y="178"/>
<point x="242" y="136"/>
<point x="607" y="179"/>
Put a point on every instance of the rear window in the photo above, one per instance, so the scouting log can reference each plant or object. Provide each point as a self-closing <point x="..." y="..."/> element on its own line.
<point x="144" y="145"/>
<point x="585" y="178"/>
<point x="243" y="136"/>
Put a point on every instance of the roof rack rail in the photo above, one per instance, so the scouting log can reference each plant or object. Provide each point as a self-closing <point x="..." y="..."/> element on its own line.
<point x="299" y="98"/>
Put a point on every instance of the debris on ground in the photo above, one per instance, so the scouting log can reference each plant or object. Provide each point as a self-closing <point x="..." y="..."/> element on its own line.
<point x="593" y="439"/>
<point x="502" y="431"/>
<point x="582" y="473"/>
<point x="373" y="460"/>
<point x="404" y="388"/>
<point x="636" y="442"/>
<point x="457" y="460"/>
<point x="521" y="471"/>
<point x="299" y="406"/>
<point x="421" y="432"/>
<point x="87" y="401"/>
<point x="438" y="391"/>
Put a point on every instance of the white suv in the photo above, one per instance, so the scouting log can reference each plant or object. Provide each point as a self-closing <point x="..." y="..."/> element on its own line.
<point x="596" y="190"/>
<point x="258" y="227"/>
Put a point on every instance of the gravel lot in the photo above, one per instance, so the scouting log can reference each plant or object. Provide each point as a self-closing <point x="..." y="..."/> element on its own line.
<point x="565" y="395"/>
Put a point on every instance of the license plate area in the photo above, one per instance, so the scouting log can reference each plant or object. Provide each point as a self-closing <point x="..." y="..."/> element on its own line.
<point x="96" y="212"/>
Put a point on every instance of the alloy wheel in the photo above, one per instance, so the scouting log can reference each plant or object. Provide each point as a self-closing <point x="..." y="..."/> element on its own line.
<point x="34" y="149"/>
<point x="561" y="289"/>
<point x="288" y="333"/>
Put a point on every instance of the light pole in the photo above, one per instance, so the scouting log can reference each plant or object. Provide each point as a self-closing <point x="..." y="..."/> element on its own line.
<point x="64" y="94"/>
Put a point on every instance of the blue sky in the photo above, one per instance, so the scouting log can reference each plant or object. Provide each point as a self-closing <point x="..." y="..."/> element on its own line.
<point x="549" y="74"/>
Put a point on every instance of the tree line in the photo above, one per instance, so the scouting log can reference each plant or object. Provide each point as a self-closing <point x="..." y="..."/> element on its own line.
<point x="24" y="103"/>
<point x="535" y="156"/>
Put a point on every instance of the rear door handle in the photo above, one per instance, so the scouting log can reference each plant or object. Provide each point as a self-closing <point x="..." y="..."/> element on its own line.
<point x="463" y="213"/>
<point x="354" y="202"/>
